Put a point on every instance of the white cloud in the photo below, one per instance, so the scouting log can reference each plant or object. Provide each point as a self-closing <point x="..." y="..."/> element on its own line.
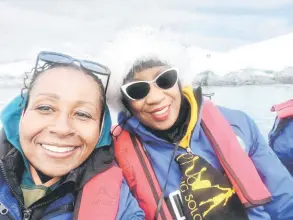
<point x="247" y="4"/>
<point x="83" y="24"/>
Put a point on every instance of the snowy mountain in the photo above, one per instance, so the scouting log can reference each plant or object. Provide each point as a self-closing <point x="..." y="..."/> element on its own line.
<point x="285" y="76"/>
<point x="267" y="62"/>
<point x="245" y="77"/>
<point x="274" y="54"/>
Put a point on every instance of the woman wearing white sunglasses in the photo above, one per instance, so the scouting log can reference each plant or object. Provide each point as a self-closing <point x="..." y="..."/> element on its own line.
<point x="185" y="158"/>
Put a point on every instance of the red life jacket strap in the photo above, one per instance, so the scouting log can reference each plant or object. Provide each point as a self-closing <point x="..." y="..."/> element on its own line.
<point x="100" y="196"/>
<point x="284" y="110"/>
<point x="236" y="163"/>
<point x="139" y="174"/>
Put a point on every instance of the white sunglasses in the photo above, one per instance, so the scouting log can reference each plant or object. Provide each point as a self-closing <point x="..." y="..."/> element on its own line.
<point x="140" y="89"/>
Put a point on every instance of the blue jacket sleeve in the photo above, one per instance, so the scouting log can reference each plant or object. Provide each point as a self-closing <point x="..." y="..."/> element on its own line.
<point x="258" y="213"/>
<point x="281" y="141"/>
<point x="128" y="205"/>
<point x="275" y="176"/>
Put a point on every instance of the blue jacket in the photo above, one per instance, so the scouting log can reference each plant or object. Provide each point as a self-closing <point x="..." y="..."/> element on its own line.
<point x="281" y="141"/>
<point x="63" y="207"/>
<point x="272" y="172"/>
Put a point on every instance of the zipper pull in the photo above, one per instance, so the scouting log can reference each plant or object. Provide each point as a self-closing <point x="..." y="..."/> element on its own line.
<point x="3" y="209"/>
<point x="188" y="149"/>
<point x="27" y="214"/>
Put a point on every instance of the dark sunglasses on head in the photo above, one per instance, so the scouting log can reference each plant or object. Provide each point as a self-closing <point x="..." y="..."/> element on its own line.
<point x="59" y="58"/>
<point x="140" y="89"/>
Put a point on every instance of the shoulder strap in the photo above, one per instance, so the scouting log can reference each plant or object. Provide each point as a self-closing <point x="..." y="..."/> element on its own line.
<point x="237" y="165"/>
<point x="284" y="110"/>
<point x="139" y="174"/>
<point x="100" y="196"/>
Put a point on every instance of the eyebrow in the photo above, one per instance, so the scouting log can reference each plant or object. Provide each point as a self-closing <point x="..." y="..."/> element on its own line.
<point x="159" y="72"/>
<point x="54" y="96"/>
<point x="156" y="74"/>
<point x="80" y="102"/>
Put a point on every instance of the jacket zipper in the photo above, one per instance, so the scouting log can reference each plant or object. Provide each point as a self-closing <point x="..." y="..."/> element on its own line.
<point x="26" y="212"/>
<point x="7" y="181"/>
<point x="188" y="150"/>
<point x="61" y="209"/>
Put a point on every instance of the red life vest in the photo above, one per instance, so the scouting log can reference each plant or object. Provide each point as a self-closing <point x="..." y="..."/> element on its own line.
<point x="100" y="196"/>
<point x="284" y="110"/>
<point x="239" y="168"/>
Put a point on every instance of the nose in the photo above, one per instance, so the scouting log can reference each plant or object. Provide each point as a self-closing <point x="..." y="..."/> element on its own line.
<point x="62" y="126"/>
<point x="155" y="96"/>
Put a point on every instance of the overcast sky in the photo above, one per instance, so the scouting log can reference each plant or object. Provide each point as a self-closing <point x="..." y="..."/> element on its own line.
<point x="212" y="24"/>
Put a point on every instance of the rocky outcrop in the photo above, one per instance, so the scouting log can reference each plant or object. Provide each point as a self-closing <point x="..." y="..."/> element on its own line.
<point x="245" y="77"/>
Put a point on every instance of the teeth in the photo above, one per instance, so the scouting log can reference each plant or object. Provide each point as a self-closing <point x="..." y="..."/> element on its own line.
<point x="164" y="110"/>
<point x="57" y="149"/>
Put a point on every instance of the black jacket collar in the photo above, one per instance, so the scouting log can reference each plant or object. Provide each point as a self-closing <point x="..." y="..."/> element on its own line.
<point x="99" y="161"/>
